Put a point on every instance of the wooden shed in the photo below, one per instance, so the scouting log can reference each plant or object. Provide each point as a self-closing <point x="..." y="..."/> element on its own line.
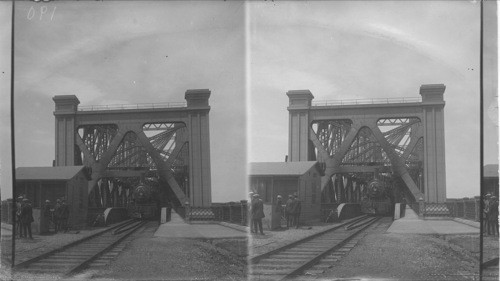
<point x="51" y="183"/>
<point x="270" y="179"/>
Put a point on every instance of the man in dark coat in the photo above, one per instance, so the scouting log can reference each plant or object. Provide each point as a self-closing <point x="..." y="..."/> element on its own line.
<point x="27" y="218"/>
<point x="486" y="210"/>
<point x="57" y="215"/>
<point x="19" y="224"/>
<point x="288" y="211"/>
<point x="249" y="207"/>
<point x="64" y="215"/>
<point x="297" y="206"/>
<point x="493" y="216"/>
<point x="279" y="209"/>
<point x="257" y="213"/>
<point x="46" y="217"/>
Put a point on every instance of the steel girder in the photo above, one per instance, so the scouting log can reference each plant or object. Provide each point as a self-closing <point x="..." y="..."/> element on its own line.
<point x="111" y="151"/>
<point x="396" y="143"/>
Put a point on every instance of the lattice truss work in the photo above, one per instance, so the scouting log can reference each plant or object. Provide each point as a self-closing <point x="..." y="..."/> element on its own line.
<point x="170" y="141"/>
<point x="344" y="188"/>
<point x="96" y="139"/>
<point x="403" y="136"/>
<point x="331" y="134"/>
<point x="400" y="132"/>
<point x="131" y="154"/>
<point x="166" y="148"/>
<point x="365" y="150"/>
<point x="158" y="150"/>
<point x="111" y="192"/>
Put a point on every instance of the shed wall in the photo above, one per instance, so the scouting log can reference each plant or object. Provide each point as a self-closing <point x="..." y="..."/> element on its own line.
<point x="309" y="195"/>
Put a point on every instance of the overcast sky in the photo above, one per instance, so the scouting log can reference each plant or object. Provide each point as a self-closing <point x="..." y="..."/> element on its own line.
<point x="368" y="49"/>
<point x="5" y="76"/>
<point x="114" y="52"/>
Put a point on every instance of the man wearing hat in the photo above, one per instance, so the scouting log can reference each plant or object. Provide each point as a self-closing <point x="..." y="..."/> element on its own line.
<point x="249" y="211"/>
<point x="46" y="217"/>
<point x="296" y="209"/>
<point x="288" y="211"/>
<point x="257" y="213"/>
<point x="279" y="209"/>
<point x="493" y="216"/>
<point x="27" y="218"/>
<point x="64" y="215"/>
<point x="486" y="210"/>
<point x="19" y="224"/>
<point x="57" y="215"/>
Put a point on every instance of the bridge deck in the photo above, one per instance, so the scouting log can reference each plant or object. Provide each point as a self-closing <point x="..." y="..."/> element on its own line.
<point x="178" y="228"/>
<point x="412" y="224"/>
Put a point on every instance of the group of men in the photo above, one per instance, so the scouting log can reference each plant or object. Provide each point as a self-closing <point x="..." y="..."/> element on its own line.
<point x="291" y="209"/>
<point x="57" y="215"/>
<point x="24" y="217"/>
<point x="491" y="214"/>
<point x="256" y="213"/>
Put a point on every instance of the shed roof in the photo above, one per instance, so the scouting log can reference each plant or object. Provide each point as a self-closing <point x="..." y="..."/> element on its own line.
<point x="490" y="171"/>
<point x="47" y="173"/>
<point x="282" y="168"/>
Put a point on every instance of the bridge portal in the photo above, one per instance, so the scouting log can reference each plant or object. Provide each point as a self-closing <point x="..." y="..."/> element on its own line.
<point x="400" y="141"/>
<point x="123" y="144"/>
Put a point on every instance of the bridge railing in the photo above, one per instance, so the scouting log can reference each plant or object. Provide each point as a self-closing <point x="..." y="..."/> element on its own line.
<point x="232" y="212"/>
<point x="466" y="208"/>
<point x="132" y="106"/>
<point x="366" y="101"/>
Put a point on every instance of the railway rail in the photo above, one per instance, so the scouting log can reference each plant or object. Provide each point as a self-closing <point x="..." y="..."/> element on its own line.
<point x="294" y="259"/>
<point x="72" y="258"/>
<point x="490" y="269"/>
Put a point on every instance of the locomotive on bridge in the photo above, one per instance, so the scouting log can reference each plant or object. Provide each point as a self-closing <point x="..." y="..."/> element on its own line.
<point x="377" y="198"/>
<point x="145" y="203"/>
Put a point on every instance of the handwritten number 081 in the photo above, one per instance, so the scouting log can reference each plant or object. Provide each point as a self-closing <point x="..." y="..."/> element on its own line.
<point x="43" y="10"/>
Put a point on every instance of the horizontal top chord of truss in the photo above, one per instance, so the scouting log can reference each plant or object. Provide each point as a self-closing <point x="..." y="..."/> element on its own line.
<point x="132" y="106"/>
<point x="367" y="101"/>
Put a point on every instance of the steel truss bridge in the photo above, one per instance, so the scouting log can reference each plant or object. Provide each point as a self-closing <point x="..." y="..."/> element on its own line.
<point x="123" y="145"/>
<point x="397" y="141"/>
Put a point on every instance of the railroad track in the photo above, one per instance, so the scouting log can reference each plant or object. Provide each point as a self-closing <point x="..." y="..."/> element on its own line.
<point x="490" y="270"/>
<point x="294" y="259"/>
<point x="72" y="258"/>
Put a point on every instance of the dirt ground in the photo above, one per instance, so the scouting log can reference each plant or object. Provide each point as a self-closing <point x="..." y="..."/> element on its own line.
<point x="490" y="247"/>
<point x="408" y="257"/>
<point x="157" y="258"/>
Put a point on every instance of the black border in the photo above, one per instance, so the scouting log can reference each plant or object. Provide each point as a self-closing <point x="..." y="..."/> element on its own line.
<point x="12" y="138"/>
<point x="481" y="137"/>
